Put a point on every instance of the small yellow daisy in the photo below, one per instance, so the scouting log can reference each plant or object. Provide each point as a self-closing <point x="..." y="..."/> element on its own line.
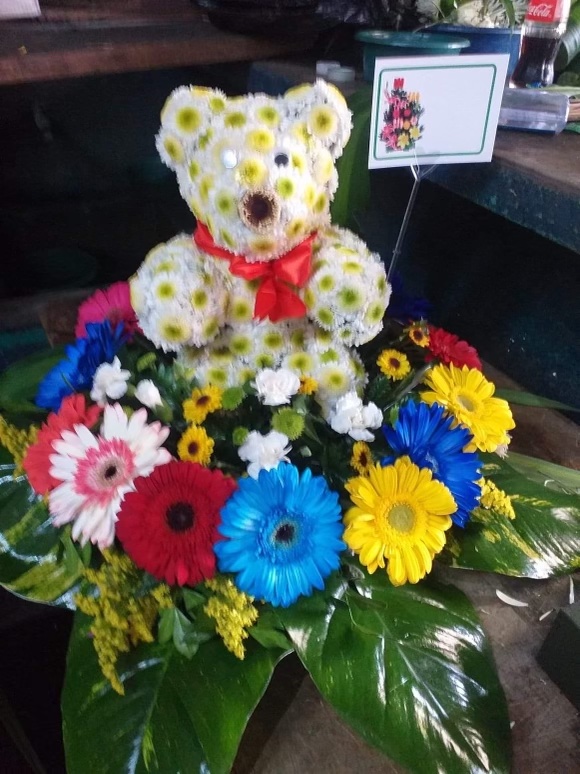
<point x="394" y="364"/>
<point x="195" y="445"/>
<point x="362" y="458"/>
<point x="308" y="385"/>
<point x="202" y="403"/>
<point x="419" y="334"/>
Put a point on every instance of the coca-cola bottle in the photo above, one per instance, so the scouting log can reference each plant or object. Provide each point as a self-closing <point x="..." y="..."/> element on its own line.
<point x="544" y="25"/>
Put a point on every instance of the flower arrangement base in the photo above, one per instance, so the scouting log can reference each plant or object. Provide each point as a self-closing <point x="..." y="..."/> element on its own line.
<point x="559" y="656"/>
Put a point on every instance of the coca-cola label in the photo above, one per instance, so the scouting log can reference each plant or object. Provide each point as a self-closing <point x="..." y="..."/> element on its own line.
<point x="544" y="11"/>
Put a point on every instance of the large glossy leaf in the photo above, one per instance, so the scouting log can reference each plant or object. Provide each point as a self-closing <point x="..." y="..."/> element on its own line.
<point x="522" y="398"/>
<point x="19" y="382"/>
<point x="353" y="192"/>
<point x="410" y="670"/>
<point x="544" y="538"/>
<point x="177" y="715"/>
<point x="30" y="546"/>
<point x="547" y="474"/>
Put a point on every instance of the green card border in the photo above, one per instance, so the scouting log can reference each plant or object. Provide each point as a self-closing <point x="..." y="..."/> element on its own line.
<point x="413" y="154"/>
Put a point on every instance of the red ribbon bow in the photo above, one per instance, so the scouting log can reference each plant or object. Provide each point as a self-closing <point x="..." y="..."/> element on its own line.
<point x="276" y="298"/>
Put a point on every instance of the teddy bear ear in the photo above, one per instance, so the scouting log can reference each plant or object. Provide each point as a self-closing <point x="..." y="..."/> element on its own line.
<point x="321" y="113"/>
<point x="185" y="121"/>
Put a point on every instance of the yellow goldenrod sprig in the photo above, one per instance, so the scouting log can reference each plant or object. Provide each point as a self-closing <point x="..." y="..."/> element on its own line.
<point x="16" y="441"/>
<point x="121" y="620"/>
<point x="233" y="613"/>
<point x="496" y="499"/>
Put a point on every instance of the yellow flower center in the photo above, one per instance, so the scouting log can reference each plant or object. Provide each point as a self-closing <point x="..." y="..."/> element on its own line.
<point x="468" y="402"/>
<point x="401" y="517"/>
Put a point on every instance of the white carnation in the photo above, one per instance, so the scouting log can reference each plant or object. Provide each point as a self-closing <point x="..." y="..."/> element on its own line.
<point x="147" y="393"/>
<point x="276" y="387"/>
<point x="264" y="452"/>
<point x="109" y="381"/>
<point x="350" y="416"/>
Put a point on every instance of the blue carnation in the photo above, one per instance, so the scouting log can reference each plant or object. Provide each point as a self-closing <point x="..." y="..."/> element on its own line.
<point x="75" y="373"/>
<point x="283" y="533"/>
<point x="425" y="435"/>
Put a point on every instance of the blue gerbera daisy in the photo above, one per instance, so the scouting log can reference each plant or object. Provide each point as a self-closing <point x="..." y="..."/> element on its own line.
<point x="423" y="433"/>
<point x="75" y="373"/>
<point x="283" y="533"/>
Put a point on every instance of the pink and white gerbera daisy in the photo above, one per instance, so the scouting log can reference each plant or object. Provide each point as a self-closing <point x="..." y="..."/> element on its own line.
<point x="98" y="470"/>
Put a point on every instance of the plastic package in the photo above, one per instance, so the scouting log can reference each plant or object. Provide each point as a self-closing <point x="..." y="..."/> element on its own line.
<point x="534" y="110"/>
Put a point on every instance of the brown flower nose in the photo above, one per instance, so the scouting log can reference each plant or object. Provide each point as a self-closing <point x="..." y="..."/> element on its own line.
<point x="259" y="210"/>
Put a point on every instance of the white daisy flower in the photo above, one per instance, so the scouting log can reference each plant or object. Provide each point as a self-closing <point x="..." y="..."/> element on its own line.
<point x="98" y="470"/>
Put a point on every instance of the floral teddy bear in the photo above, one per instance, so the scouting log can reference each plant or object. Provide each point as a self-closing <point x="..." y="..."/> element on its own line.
<point x="266" y="281"/>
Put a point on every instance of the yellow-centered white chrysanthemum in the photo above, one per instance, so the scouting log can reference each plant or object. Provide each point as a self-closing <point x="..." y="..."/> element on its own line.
<point x="173" y="329"/>
<point x="469" y="397"/>
<point x="251" y="172"/>
<point x="322" y="121"/>
<point x="399" y="519"/>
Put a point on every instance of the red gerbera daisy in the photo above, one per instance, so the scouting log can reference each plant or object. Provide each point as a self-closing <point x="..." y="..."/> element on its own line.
<point x="73" y="411"/>
<point x="168" y="525"/>
<point x="112" y="304"/>
<point x="448" y="348"/>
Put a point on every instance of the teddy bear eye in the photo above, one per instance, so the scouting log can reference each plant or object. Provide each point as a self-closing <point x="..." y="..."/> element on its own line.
<point x="229" y="158"/>
<point x="281" y="159"/>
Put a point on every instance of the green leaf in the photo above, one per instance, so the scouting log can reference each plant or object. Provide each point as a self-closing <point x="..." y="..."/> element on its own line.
<point x="192" y="599"/>
<point x="175" y="626"/>
<point x="19" y="383"/>
<point x="267" y="631"/>
<point x="411" y="671"/>
<point x="546" y="473"/>
<point x="544" y="538"/>
<point x="521" y="398"/>
<point x="177" y="715"/>
<point x="353" y="194"/>
<point x="31" y="564"/>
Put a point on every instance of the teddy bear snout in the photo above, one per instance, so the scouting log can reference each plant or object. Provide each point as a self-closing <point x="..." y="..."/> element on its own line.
<point x="259" y="210"/>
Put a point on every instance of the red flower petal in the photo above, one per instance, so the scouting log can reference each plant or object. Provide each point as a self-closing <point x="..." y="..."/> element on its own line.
<point x="36" y="463"/>
<point x="449" y="348"/>
<point x="168" y="525"/>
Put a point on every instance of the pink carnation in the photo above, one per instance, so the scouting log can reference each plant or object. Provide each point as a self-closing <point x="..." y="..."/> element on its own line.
<point x="113" y="304"/>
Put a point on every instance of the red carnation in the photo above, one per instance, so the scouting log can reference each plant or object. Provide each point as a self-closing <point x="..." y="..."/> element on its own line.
<point x="73" y="411"/>
<point x="448" y="348"/>
<point x="168" y="526"/>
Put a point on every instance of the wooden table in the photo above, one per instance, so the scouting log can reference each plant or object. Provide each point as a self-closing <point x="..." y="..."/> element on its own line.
<point x="61" y="45"/>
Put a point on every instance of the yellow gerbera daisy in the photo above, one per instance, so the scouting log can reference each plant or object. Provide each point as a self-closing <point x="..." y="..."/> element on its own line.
<point x="468" y="396"/>
<point x="394" y="364"/>
<point x="400" y="514"/>
<point x="202" y="403"/>
<point x="362" y="458"/>
<point x="195" y="445"/>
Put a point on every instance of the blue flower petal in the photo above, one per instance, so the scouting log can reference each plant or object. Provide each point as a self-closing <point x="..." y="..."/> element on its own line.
<point x="424" y="434"/>
<point x="76" y="371"/>
<point x="282" y="534"/>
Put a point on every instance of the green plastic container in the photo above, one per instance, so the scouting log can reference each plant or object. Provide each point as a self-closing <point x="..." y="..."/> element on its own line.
<point x="380" y="43"/>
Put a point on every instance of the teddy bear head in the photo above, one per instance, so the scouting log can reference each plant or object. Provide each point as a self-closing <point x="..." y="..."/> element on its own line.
<point x="258" y="172"/>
